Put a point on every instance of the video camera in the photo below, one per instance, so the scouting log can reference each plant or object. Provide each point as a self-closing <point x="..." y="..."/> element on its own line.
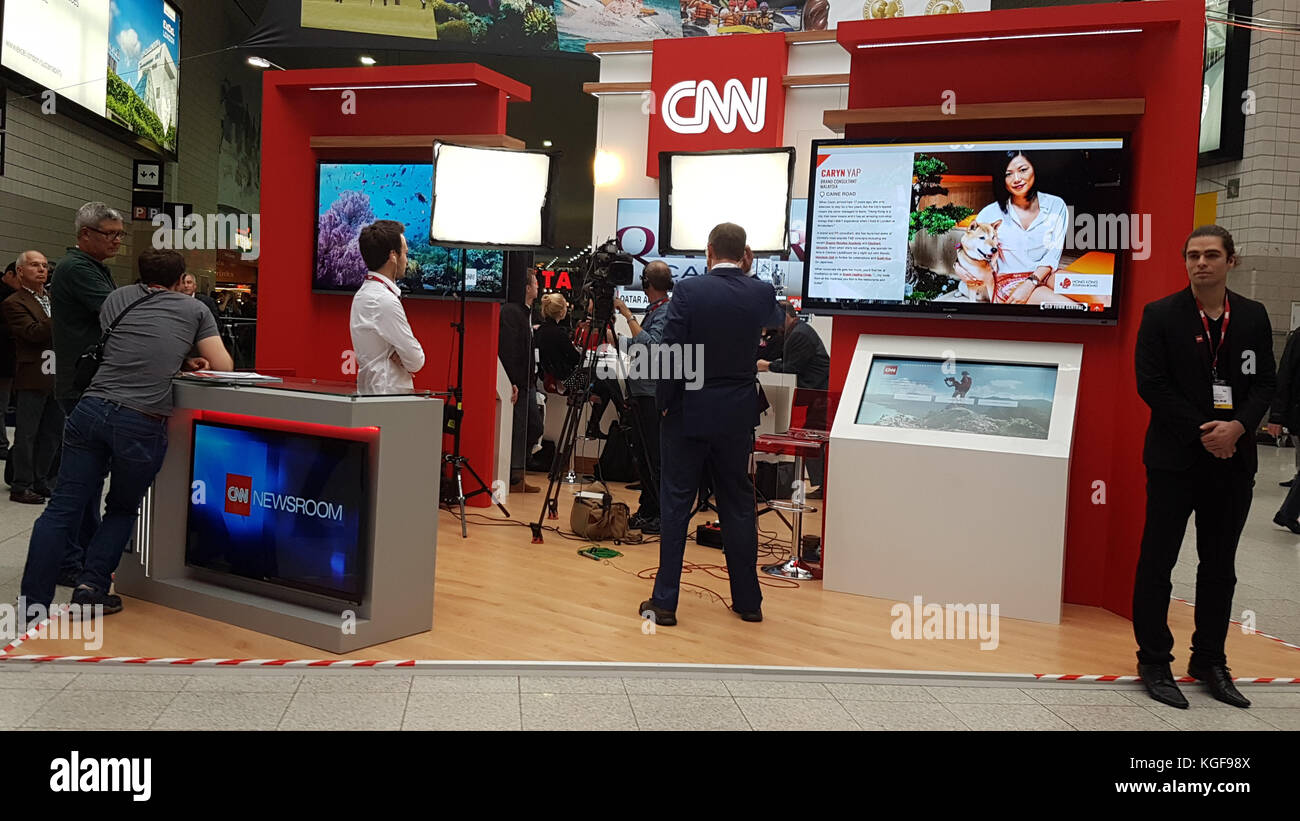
<point x="607" y="268"/>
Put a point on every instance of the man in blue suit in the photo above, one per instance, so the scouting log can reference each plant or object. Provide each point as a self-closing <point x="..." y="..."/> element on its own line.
<point x="719" y="315"/>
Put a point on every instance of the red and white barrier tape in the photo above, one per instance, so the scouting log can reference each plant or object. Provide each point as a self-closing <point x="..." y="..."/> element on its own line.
<point x="33" y="632"/>
<point x="1253" y="631"/>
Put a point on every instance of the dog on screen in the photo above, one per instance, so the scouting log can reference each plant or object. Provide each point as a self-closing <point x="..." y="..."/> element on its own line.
<point x="976" y="265"/>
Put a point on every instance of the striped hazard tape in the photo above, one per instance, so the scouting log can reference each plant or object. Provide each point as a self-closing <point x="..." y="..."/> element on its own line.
<point x="1251" y="630"/>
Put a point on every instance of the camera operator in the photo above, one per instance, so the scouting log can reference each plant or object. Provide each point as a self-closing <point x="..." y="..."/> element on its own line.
<point x="656" y="281"/>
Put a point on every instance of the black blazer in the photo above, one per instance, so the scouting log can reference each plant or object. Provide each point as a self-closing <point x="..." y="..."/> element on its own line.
<point x="724" y="313"/>
<point x="1174" y="379"/>
<point x="515" y="344"/>
<point x="556" y="354"/>
<point x="1286" y="402"/>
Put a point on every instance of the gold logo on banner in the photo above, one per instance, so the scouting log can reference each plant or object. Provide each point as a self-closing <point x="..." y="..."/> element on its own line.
<point x="944" y="7"/>
<point x="880" y="9"/>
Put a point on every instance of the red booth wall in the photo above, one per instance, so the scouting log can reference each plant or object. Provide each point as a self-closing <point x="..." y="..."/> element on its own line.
<point x="308" y="332"/>
<point x="1162" y="64"/>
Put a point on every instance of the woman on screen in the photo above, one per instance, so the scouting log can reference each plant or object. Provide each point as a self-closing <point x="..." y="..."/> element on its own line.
<point x="1031" y="235"/>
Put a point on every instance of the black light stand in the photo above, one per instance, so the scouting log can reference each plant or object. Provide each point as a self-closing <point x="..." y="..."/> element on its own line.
<point x="457" y="414"/>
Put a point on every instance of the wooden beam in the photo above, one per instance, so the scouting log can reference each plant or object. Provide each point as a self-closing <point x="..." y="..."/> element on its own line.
<point x="615" y="48"/>
<point x="614" y="88"/>
<point x="801" y="80"/>
<point x="418" y="141"/>
<point x="836" y="120"/>
<point x="810" y="36"/>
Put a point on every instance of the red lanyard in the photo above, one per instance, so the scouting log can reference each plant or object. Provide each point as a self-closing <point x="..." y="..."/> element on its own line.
<point x="389" y="286"/>
<point x="655" y="305"/>
<point x="1223" y="333"/>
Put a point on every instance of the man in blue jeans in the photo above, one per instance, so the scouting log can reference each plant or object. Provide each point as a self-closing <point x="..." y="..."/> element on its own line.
<point x="120" y="426"/>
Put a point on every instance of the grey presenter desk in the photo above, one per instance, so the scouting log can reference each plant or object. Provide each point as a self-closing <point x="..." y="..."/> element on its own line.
<point x="402" y="525"/>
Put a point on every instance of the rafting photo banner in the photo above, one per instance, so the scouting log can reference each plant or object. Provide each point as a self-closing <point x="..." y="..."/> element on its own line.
<point x="508" y="26"/>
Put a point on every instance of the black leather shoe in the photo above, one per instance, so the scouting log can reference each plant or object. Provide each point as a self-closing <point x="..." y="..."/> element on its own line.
<point x="1287" y="483"/>
<point x="26" y="497"/>
<point x="1218" y="678"/>
<point x="1294" y="527"/>
<point x="660" y="616"/>
<point x="755" y="615"/>
<point x="1159" y="681"/>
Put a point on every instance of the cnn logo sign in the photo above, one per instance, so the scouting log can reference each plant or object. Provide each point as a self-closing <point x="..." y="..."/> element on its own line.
<point x="732" y="106"/>
<point x="238" y="491"/>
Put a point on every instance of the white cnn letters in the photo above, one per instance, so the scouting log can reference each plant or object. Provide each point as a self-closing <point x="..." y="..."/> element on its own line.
<point x="733" y="105"/>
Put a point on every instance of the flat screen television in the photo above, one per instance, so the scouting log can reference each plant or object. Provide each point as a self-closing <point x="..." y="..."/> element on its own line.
<point x="288" y="509"/>
<point x="492" y="197"/>
<point x="637" y="234"/>
<point x="1007" y="228"/>
<point x="351" y="195"/>
<point x="116" y="59"/>
<point x="750" y="187"/>
<point x="990" y="398"/>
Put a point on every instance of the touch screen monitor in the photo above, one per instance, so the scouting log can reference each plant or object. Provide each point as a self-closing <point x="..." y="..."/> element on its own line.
<point x="995" y="399"/>
<point x="749" y="187"/>
<point x="290" y="509"/>
<point x="351" y="195"/>
<point x="1032" y="229"/>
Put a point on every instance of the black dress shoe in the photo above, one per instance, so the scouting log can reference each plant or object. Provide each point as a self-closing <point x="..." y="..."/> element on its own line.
<point x="1287" y="483"/>
<point x="1218" y="678"/>
<point x="634" y="486"/>
<point x="660" y="616"/>
<point x="1159" y="681"/>
<point x="26" y="497"/>
<point x="1294" y="527"/>
<point x="753" y="615"/>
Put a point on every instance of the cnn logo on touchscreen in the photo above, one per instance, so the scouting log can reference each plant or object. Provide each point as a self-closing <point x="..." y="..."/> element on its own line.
<point x="238" y="491"/>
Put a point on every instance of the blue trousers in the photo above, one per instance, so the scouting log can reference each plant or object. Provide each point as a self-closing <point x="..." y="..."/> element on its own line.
<point x="98" y="434"/>
<point x="682" y="461"/>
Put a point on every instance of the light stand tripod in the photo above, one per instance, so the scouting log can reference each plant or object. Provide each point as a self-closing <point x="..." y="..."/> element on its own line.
<point x="456" y="416"/>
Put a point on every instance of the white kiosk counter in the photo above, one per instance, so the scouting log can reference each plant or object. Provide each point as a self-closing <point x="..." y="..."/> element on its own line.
<point x="298" y="508"/>
<point x="949" y="474"/>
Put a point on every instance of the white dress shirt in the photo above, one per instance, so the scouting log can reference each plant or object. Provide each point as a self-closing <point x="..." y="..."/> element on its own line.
<point x="380" y="329"/>
<point x="1025" y="249"/>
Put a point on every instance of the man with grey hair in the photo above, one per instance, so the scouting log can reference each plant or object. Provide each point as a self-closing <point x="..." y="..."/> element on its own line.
<point x="39" y="427"/>
<point x="81" y="283"/>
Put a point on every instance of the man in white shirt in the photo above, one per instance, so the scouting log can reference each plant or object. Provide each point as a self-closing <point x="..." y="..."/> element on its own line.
<point x="387" y="352"/>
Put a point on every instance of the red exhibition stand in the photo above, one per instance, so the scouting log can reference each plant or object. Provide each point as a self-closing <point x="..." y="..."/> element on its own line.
<point x="371" y="114"/>
<point x="1096" y="70"/>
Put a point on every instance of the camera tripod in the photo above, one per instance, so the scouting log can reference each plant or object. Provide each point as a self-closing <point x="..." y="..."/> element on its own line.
<point x="627" y="418"/>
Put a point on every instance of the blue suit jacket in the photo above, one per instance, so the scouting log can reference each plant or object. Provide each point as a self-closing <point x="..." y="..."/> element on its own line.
<point x="723" y="313"/>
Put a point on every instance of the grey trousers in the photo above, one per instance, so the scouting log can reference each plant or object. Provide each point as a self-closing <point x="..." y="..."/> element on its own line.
<point x="38" y="434"/>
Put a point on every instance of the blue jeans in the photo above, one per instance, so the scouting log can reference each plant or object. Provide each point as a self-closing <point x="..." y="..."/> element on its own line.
<point x="75" y="556"/>
<point x="98" y="434"/>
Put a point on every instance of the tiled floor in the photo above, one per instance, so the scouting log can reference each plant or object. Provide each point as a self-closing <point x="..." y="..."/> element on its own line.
<point x="55" y="697"/>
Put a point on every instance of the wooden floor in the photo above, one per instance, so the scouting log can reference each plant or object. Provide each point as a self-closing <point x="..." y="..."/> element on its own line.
<point x="500" y="597"/>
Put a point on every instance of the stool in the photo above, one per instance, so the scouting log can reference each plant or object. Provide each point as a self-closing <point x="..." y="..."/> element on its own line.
<point x="801" y="445"/>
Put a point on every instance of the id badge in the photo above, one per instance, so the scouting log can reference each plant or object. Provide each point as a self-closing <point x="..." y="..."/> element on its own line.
<point x="1222" y="395"/>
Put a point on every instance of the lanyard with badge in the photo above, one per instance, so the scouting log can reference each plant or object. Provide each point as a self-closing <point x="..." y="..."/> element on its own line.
<point x="1221" y="390"/>
<point x="384" y="282"/>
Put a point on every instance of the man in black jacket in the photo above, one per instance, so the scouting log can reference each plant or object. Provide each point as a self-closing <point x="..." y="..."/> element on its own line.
<point x="1205" y="367"/>
<point x="1286" y="411"/>
<point x="8" y="286"/>
<point x="515" y="350"/>
<point x="805" y="356"/>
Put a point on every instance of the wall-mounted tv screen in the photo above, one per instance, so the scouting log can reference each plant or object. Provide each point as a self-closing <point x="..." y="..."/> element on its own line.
<point x="1029" y="229"/>
<point x="750" y="187"/>
<point x="351" y="195"/>
<point x="1224" y="97"/>
<point x="118" y="59"/>
<point x="992" y="398"/>
<point x="637" y="234"/>
<point x="290" y="509"/>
